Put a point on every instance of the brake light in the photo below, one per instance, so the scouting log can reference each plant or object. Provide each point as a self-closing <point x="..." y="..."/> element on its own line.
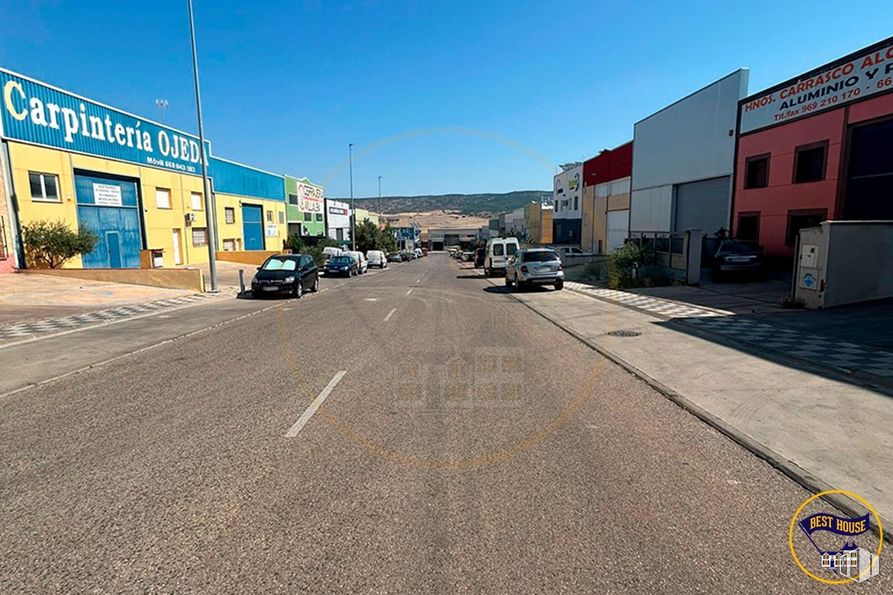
<point x="560" y="268"/>
<point x="524" y="269"/>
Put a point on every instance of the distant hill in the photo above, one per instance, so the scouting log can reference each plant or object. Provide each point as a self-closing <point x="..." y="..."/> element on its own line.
<point x="479" y="205"/>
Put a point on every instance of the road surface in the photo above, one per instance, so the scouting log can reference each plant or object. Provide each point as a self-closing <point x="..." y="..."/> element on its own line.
<point x="416" y="430"/>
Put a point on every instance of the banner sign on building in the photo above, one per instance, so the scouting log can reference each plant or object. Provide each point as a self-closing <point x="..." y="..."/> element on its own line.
<point x="107" y="195"/>
<point x="310" y="198"/>
<point x="35" y="113"/>
<point x="838" y="85"/>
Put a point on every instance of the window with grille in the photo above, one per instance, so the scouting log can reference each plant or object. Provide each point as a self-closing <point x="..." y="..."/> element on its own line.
<point x="229" y="214"/>
<point x="199" y="236"/>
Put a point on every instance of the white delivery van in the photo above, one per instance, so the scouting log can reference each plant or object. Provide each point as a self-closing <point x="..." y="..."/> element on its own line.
<point x="330" y="251"/>
<point x="376" y="258"/>
<point x="497" y="252"/>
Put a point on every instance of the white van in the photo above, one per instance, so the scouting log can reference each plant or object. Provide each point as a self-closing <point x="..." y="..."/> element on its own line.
<point x="330" y="251"/>
<point x="497" y="252"/>
<point x="376" y="258"/>
<point x="362" y="263"/>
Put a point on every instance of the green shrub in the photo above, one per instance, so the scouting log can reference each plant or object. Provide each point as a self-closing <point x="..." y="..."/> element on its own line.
<point x="624" y="263"/>
<point x="596" y="269"/>
<point x="50" y="244"/>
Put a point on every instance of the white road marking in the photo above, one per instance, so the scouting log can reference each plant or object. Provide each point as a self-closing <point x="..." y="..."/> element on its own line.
<point x="293" y="431"/>
<point x="418" y="280"/>
<point x="391" y="313"/>
<point x="370" y="299"/>
<point x="410" y="290"/>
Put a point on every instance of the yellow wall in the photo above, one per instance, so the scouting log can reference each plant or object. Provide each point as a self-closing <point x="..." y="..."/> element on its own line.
<point x="159" y="223"/>
<point x="234" y="230"/>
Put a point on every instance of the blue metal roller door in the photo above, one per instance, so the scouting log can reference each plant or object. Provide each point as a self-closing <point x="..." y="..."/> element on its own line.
<point x="253" y="227"/>
<point x="110" y="209"/>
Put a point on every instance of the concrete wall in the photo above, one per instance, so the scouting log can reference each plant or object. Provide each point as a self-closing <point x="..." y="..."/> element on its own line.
<point x="692" y="139"/>
<point x="189" y="279"/>
<point x="247" y="256"/>
<point x="860" y="262"/>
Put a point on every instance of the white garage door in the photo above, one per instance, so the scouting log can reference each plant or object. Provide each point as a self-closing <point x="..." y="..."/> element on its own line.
<point x="703" y="205"/>
<point x="618" y="226"/>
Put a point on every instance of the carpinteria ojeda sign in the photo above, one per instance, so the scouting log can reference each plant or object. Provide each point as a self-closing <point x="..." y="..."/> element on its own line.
<point x="844" y="82"/>
<point x="39" y="114"/>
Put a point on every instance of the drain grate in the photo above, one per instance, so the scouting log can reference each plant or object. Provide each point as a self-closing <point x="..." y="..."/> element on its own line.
<point x="623" y="333"/>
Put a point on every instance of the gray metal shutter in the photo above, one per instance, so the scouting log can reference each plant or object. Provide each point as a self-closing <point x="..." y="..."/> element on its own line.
<point x="702" y="205"/>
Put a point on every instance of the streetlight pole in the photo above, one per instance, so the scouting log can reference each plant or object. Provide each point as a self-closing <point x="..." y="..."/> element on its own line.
<point x="353" y="213"/>
<point x="210" y="213"/>
<point x="379" y="195"/>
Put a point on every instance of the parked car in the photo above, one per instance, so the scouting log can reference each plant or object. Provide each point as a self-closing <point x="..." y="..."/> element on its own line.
<point x="572" y="251"/>
<point x="534" y="266"/>
<point x="341" y="266"/>
<point x="362" y="263"/>
<point x="497" y="251"/>
<point x="467" y="256"/>
<point x="736" y="257"/>
<point x="418" y="252"/>
<point x="395" y="257"/>
<point x="376" y="258"/>
<point x="290" y="274"/>
<point x="424" y="251"/>
<point x="453" y="250"/>
<point x="407" y="255"/>
<point x="330" y="251"/>
<point x="479" y="257"/>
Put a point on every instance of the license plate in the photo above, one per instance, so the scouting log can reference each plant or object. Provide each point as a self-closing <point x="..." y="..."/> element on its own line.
<point x="270" y="287"/>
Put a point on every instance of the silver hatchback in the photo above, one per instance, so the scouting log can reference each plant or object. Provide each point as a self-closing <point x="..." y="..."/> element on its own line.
<point x="534" y="266"/>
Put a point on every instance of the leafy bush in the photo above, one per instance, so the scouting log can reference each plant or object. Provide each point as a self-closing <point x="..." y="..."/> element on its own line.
<point x="50" y="244"/>
<point x="294" y="243"/>
<point x="624" y="263"/>
<point x="595" y="269"/>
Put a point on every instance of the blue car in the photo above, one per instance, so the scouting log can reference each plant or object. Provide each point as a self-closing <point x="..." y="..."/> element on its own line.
<point x="341" y="266"/>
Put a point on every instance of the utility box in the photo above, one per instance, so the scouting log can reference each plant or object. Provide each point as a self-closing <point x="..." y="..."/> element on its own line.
<point x="157" y="258"/>
<point x="844" y="262"/>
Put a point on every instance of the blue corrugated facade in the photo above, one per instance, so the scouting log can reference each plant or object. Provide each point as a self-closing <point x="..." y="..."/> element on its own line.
<point x="233" y="178"/>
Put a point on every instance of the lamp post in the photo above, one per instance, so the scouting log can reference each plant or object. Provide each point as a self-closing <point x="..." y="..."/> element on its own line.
<point x="353" y="235"/>
<point x="161" y="104"/>
<point x="379" y="195"/>
<point x="210" y="213"/>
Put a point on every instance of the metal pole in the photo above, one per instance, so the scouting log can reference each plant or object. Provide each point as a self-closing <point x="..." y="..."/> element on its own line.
<point x="353" y="235"/>
<point x="210" y="215"/>
<point x="379" y="196"/>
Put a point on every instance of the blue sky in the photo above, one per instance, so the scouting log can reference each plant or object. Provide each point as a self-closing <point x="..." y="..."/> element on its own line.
<point x="437" y="96"/>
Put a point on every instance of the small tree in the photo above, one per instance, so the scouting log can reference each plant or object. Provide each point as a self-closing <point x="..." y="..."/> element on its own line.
<point x="316" y="250"/>
<point x="294" y="243"/>
<point x="387" y="242"/>
<point x="50" y="244"/>
<point x="368" y="237"/>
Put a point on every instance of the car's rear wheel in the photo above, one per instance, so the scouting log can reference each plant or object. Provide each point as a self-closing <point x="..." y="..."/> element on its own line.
<point x="559" y="285"/>
<point x="315" y="286"/>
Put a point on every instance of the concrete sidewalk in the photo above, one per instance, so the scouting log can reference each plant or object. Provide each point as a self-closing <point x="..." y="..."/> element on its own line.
<point x="823" y="431"/>
<point x="33" y="297"/>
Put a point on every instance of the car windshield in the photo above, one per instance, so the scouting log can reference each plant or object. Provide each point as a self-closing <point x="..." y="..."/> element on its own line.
<point x="539" y="256"/>
<point x="736" y="247"/>
<point x="280" y="264"/>
<point x="341" y="260"/>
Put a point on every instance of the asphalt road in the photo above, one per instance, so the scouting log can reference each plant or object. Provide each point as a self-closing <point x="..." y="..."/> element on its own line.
<point x="467" y="445"/>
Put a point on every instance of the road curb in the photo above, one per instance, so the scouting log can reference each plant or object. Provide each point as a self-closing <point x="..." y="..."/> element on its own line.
<point x="787" y="467"/>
